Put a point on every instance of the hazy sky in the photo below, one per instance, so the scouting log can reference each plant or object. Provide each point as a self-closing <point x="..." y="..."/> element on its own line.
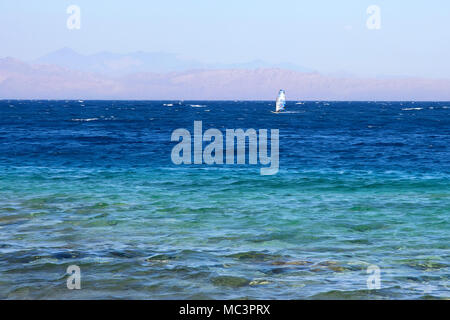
<point x="329" y="36"/>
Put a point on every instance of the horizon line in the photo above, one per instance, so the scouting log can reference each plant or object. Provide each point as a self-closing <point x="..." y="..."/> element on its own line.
<point x="218" y="100"/>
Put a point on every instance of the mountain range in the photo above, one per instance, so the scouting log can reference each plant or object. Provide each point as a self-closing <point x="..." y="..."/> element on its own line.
<point x="121" y="64"/>
<point x="66" y="74"/>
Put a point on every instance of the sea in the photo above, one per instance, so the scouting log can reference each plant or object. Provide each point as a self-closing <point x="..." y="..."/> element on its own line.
<point x="359" y="208"/>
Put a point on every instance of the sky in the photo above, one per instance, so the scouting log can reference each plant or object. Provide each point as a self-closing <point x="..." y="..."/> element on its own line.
<point x="328" y="36"/>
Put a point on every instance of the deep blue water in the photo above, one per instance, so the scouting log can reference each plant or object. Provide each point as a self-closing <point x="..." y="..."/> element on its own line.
<point x="92" y="184"/>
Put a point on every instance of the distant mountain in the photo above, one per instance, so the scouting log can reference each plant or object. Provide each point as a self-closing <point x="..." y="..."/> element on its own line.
<point x="260" y="64"/>
<point x="20" y="80"/>
<point x="118" y="64"/>
<point x="122" y="64"/>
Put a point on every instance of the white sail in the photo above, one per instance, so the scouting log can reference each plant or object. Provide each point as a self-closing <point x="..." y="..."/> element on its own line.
<point x="281" y="101"/>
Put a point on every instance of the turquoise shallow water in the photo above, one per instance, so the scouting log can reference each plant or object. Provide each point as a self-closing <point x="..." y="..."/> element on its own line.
<point x="359" y="184"/>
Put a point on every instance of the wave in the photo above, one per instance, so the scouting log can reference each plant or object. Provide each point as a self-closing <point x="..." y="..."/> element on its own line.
<point x="85" y="120"/>
<point x="290" y="112"/>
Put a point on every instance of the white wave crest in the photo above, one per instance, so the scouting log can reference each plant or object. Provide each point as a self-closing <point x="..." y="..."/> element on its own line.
<point x="85" y="120"/>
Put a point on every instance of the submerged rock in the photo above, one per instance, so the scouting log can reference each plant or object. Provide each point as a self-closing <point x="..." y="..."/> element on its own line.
<point x="291" y="263"/>
<point x="427" y="265"/>
<point x="124" y="254"/>
<point x="337" y="268"/>
<point x="277" y="270"/>
<point x="253" y="256"/>
<point x="230" y="281"/>
<point x="328" y="265"/>
<point x="346" y="295"/>
<point x="13" y="219"/>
